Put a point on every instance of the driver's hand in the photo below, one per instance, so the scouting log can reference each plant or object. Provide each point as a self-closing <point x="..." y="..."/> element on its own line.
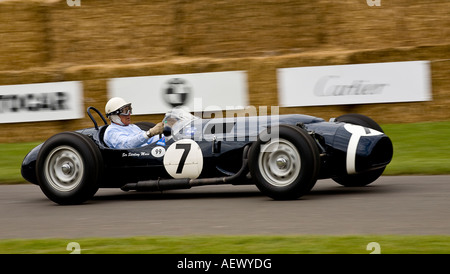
<point x="170" y="122"/>
<point x="157" y="129"/>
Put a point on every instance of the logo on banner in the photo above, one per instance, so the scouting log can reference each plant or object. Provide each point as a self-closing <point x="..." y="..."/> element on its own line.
<point x="333" y="85"/>
<point x="176" y="92"/>
<point x="33" y="102"/>
<point x="372" y="3"/>
<point x="73" y="3"/>
<point x="41" y="102"/>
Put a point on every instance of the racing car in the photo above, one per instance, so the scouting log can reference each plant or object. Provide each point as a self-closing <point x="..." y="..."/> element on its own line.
<point x="283" y="155"/>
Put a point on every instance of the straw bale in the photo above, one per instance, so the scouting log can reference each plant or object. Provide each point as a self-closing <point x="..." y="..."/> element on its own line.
<point x="34" y="33"/>
<point x="22" y="35"/>
<point x="238" y="28"/>
<point x="48" y="41"/>
<point x="111" y="30"/>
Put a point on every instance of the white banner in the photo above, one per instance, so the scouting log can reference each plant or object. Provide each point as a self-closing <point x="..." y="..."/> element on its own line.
<point x="355" y="84"/>
<point x="158" y="94"/>
<point x="41" y="102"/>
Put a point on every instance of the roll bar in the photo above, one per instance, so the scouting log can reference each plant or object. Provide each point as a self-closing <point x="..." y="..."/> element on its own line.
<point x="92" y="118"/>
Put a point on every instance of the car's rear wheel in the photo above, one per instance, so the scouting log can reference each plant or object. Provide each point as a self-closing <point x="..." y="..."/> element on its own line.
<point x="363" y="179"/>
<point x="285" y="167"/>
<point x="69" y="168"/>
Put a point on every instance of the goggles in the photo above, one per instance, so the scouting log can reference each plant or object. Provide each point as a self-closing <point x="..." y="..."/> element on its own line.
<point x="125" y="110"/>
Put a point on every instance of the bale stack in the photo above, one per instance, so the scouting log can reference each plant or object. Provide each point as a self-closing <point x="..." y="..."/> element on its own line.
<point x="48" y="41"/>
<point x="107" y="31"/>
<point x="23" y="34"/>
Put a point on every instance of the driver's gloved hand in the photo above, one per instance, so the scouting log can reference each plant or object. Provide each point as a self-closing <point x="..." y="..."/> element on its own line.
<point x="157" y="129"/>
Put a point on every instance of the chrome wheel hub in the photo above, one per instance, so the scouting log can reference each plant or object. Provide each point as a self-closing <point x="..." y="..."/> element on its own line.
<point x="279" y="162"/>
<point x="64" y="168"/>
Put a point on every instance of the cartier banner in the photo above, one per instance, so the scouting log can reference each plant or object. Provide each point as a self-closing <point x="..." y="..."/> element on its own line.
<point x="41" y="102"/>
<point x="355" y="84"/>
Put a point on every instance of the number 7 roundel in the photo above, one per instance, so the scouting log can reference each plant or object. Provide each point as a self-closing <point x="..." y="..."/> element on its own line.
<point x="184" y="159"/>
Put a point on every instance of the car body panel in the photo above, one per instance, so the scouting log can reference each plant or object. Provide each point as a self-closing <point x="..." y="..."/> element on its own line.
<point x="344" y="148"/>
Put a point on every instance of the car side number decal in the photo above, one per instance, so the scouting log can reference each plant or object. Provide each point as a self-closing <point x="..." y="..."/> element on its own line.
<point x="187" y="148"/>
<point x="158" y="151"/>
<point x="357" y="132"/>
<point x="184" y="159"/>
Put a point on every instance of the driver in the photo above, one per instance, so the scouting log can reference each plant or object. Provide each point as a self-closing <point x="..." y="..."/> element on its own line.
<point x="122" y="134"/>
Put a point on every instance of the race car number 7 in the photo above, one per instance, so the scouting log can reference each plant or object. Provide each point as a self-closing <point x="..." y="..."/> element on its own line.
<point x="187" y="148"/>
<point x="184" y="159"/>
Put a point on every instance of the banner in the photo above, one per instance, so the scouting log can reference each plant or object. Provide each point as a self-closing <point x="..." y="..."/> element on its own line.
<point x="158" y="94"/>
<point x="355" y="84"/>
<point x="41" y="102"/>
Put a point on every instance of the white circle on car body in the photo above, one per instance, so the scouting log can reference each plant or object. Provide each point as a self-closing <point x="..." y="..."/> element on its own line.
<point x="184" y="159"/>
<point x="158" y="151"/>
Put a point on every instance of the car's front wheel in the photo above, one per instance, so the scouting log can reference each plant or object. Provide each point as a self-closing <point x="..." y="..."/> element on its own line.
<point x="286" y="166"/>
<point x="69" y="167"/>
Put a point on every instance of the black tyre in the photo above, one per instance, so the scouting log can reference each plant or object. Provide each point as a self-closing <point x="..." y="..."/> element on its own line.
<point x="286" y="167"/>
<point x="366" y="178"/>
<point x="69" y="168"/>
<point x="360" y="120"/>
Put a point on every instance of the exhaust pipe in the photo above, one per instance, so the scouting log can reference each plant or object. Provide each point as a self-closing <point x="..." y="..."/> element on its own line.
<point x="158" y="185"/>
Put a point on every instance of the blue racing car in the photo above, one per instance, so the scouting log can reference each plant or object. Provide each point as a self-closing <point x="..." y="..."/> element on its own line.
<point x="283" y="155"/>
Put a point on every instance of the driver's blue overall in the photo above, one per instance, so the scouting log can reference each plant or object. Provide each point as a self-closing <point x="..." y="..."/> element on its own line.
<point x="123" y="137"/>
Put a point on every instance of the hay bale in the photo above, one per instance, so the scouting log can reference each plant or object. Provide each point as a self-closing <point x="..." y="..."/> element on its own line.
<point x="238" y="28"/>
<point x="47" y="41"/>
<point x="111" y="30"/>
<point x="23" y="35"/>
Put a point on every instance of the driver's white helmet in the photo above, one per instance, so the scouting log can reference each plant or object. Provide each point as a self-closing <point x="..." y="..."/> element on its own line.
<point x="114" y="106"/>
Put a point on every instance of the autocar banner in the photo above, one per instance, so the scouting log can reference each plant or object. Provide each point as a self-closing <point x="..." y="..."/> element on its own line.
<point x="41" y="102"/>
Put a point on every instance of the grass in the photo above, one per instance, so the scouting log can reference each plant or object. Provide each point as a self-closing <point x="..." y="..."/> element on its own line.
<point x="419" y="148"/>
<point x="300" y="244"/>
<point x="11" y="157"/>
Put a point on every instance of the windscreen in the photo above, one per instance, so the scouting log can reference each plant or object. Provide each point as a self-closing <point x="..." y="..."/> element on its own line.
<point x="180" y="121"/>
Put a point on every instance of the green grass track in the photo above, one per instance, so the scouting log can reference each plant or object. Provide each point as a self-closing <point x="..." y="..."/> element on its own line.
<point x="217" y="244"/>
